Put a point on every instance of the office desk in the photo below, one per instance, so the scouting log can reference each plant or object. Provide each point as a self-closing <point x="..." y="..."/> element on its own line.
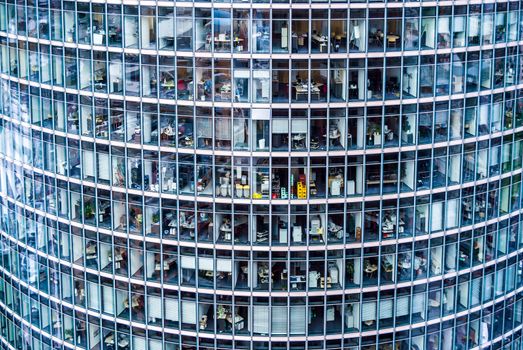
<point x="392" y="39"/>
<point x="168" y="84"/>
<point x="220" y="42"/>
<point x="238" y="44"/>
<point x="321" y="41"/>
<point x="237" y="322"/>
<point x="296" y="280"/>
<point x="169" y="41"/>
<point x="305" y="89"/>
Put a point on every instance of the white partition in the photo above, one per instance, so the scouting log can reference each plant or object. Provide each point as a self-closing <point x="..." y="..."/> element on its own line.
<point x="131" y="31"/>
<point x="120" y="297"/>
<point x="118" y="211"/>
<point x="65" y="244"/>
<point x="94" y="336"/>
<point x="436" y="260"/>
<point x="357" y="271"/>
<point x="85" y="73"/>
<point x="437" y="216"/>
<point x="447" y="338"/>
<point x="103" y="166"/>
<point x="45" y="317"/>
<point x="88" y="163"/>
<point x="150" y="264"/>
<point x="484" y="112"/>
<point x="455" y="168"/>
<point x="408" y="178"/>
<point x="93" y="295"/>
<point x="107" y="300"/>
<point x="165" y="30"/>
<point x="463" y="290"/>
<point x="428" y="31"/>
<point x="78" y="247"/>
<point x="450" y="256"/>
<point x="136" y="261"/>
<point x="449" y="296"/>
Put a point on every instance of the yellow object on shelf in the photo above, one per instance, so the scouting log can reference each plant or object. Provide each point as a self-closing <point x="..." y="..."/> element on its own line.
<point x="302" y="190"/>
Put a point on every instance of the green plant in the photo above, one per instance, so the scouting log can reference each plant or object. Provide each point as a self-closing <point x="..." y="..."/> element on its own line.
<point x="68" y="334"/>
<point x="156" y="218"/>
<point x="374" y="128"/>
<point x="88" y="210"/>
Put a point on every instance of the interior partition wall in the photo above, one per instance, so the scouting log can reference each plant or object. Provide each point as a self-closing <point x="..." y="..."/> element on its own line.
<point x="261" y="175"/>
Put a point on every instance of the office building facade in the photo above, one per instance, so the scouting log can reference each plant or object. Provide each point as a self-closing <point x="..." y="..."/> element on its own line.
<point x="261" y="175"/>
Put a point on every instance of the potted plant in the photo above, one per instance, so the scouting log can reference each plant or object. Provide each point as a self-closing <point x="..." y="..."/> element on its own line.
<point x="68" y="334"/>
<point x="88" y="210"/>
<point x="156" y="218"/>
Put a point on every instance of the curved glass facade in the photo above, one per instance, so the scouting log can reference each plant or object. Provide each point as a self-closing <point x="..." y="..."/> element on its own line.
<point x="257" y="175"/>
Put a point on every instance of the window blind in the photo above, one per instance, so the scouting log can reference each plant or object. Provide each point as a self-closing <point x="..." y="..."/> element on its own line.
<point x="241" y="73"/>
<point x="154" y="307"/>
<point x="386" y="308"/>
<point x="171" y="309"/>
<point x="223" y="129"/>
<point x="402" y="306"/>
<point x="418" y="303"/>
<point x="487" y="291"/>
<point x="206" y="264"/>
<point x="139" y="343"/>
<point x="297" y="320"/>
<point x="155" y="345"/>
<point x="299" y="126"/>
<point x="188" y="262"/>
<point x="261" y="73"/>
<point x="476" y="291"/>
<point x="188" y="312"/>
<point x="459" y="24"/>
<point x="368" y="312"/>
<point x="280" y="126"/>
<point x="260" y="114"/>
<point x="260" y="322"/>
<point x="223" y="265"/>
<point x="204" y="127"/>
<point x="279" y="320"/>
